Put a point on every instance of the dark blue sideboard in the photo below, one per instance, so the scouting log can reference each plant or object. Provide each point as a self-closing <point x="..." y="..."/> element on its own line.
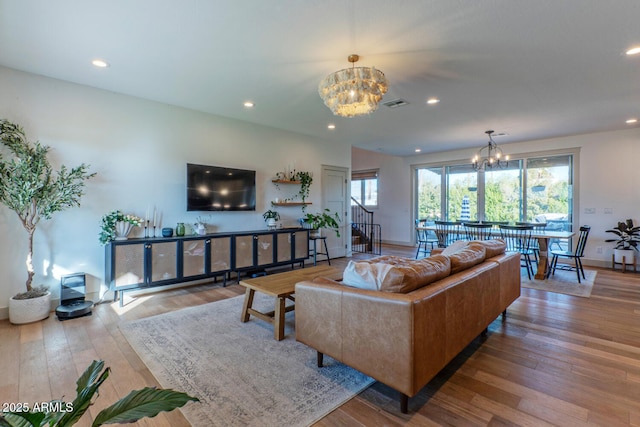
<point x="139" y="263"/>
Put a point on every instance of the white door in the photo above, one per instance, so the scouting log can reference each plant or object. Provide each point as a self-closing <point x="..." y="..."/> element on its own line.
<point x="334" y="198"/>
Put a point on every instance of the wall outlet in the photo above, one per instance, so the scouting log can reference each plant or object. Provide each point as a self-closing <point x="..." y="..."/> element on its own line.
<point x="589" y="210"/>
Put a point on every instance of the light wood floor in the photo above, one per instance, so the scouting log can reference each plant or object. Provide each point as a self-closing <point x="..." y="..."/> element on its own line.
<point x="557" y="360"/>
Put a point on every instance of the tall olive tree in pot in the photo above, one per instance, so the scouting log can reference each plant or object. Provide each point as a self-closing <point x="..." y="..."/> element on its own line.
<point x="31" y="188"/>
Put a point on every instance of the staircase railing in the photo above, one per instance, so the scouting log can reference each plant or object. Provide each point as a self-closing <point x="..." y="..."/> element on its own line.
<point x="365" y="235"/>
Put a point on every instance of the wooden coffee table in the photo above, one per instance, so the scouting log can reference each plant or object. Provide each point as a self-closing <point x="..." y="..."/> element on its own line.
<point x="282" y="287"/>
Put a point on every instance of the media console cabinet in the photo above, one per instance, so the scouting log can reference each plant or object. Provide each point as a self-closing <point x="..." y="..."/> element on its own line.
<point x="140" y="263"/>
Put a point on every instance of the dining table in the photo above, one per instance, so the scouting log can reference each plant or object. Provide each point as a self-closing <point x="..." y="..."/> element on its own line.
<point x="543" y="237"/>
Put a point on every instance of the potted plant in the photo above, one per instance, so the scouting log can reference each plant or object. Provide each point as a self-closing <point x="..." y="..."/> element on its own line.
<point x="626" y="242"/>
<point x="305" y="179"/>
<point x="138" y="404"/>
<point x="271" y="217"/>
<point x="116" y="226"/>
<point x="30" y="187"/>
<point x="325" y="219"/>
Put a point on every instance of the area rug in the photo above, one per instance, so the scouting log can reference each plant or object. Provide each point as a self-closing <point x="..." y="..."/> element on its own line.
<point x="240" y="373"/>
<point x="563" y="282"/>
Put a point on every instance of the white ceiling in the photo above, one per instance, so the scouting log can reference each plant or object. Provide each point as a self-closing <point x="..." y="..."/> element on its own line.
<point x="529" y="68"/>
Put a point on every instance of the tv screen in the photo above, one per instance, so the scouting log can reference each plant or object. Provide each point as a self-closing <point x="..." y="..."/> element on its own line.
<point x="215" y="188"/>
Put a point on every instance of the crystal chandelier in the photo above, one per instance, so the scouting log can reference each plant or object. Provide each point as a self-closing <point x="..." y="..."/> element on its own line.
<point x="354" y="91"/>
<point x="494" y="157"/>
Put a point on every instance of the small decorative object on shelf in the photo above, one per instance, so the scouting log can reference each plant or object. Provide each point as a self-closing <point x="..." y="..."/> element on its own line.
<point x="271" y="217"/>
<point x="180" y="229"/>
<point x="200" y="226"/>
<point x="116" y="226"/>
<point x="167" y="232"/>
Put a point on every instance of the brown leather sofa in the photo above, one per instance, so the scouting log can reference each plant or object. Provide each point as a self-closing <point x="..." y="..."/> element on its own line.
<point x="404" y="339"/>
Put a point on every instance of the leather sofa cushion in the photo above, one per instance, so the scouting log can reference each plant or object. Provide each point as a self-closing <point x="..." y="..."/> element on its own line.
<point x="400" y="275"/>
<point x="493" y="247"/>
<point x="472" y="254"/>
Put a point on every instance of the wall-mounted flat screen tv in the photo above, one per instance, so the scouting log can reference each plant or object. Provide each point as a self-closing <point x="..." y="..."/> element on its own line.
<point x="215" y="188"/>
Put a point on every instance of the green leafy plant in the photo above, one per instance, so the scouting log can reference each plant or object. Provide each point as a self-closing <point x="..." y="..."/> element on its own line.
<point x="325" y="219"/>
<point x="628" y="235"/>
<point x="31" y="188"/>
<point x="108" y="224"/>
<point x="147" y="402"/>
<point x="305" y="179"/>
<point x="271" y="214"/>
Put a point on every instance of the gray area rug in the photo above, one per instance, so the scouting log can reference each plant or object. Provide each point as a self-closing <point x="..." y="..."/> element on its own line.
<point x="240" y="373"/>
<point x="563" y="282"/>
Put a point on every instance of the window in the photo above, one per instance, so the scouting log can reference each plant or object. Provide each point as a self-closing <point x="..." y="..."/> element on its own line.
<point x="364" y="188"/>
<point x="534" y="188"/>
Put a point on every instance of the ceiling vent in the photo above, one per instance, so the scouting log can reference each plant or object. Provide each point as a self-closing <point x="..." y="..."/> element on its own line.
<point x="395" y="103"/>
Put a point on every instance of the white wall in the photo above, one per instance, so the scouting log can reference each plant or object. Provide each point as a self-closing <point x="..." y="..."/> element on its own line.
<point x="607" y="178"/>
<point x="139" y="150"/>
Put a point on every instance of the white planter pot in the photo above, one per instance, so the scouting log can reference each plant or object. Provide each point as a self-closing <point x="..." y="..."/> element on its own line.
<point x="29" y="310"/>
<point x="315" y="233"/>
<point x="628" y="254"/>
<point x="271" y="224"/>
<point x="123" y="229"/>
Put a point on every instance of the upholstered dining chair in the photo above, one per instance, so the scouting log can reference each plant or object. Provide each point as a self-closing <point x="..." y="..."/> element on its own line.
<point x="576" y="255"/>
<point x="426" y="239"/>
<point x="518" y="239"/>
<point x="447" y="232"/>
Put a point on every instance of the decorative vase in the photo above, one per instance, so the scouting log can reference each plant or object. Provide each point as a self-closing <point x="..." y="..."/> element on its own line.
<point x="167" y="232"/>
<point x="180" y="229"/>
<point x="123" y="228"/>
<point x="271" y="224"/>
<point x="29" y="310"/>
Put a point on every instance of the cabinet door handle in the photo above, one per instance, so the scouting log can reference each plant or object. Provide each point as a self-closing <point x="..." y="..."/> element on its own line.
<point x="208" y="241"/>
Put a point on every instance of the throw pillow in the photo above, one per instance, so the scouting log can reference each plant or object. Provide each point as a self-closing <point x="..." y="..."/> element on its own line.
<point x="473" y="254"/>
<point x="372" y="276"/>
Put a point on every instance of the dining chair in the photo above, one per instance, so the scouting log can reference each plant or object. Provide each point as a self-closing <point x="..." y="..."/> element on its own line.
<point x="424" y="237"/>
<point x="518" y="239"/>
<point x="478" y="231"/>
<point x="576" y="255"/>
<point x="535" y="245"/>
<point x="447" y="232"/>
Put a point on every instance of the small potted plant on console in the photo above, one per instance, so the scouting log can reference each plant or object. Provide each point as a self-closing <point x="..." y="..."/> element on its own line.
<point x="271" y="217"/>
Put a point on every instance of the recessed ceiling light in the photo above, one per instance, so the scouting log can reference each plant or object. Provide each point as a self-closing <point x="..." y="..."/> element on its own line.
<point x="100" y="63"/>
<point x="631" y="121"/>
<point x="331" y="126"/>
<point x="418" y="150"/>
<point x="633" y="51"/>
<point x="249" y="104"/>
<point x="433" y="101"/>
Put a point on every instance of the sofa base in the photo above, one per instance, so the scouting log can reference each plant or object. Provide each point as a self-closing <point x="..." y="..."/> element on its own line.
<point x="404" y="399"/>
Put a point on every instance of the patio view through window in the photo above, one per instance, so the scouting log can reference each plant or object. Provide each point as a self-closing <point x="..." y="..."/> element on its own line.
<point x="530" y="189"/>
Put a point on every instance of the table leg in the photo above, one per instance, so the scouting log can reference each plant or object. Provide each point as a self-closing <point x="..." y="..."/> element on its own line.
<point x="278" y="319"/>
<point x="543" y="263"/>
<point x="248" y="302"/>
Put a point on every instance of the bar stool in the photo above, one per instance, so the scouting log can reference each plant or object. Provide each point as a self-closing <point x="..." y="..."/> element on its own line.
<point x="314" y="250"/>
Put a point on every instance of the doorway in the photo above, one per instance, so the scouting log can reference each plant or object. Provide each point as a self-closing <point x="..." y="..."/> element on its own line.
<point x="334" y="198"/>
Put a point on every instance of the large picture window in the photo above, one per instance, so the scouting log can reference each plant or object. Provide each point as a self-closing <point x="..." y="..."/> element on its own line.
<point x="535" y="188"/>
